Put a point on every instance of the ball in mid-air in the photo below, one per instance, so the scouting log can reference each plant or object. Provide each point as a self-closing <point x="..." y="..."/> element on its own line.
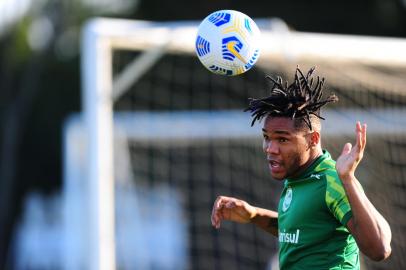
<point x="228" y="42"/>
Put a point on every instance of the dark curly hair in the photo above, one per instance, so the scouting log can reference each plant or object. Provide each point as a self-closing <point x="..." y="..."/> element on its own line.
<point x="299" y="100"/>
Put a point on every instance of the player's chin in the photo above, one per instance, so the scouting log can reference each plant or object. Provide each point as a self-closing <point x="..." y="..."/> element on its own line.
<point x="278" y="176"/>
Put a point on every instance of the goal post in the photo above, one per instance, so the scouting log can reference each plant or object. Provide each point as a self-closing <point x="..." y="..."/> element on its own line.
<point x="98" y="107"/>
<point x="100" y="89"/>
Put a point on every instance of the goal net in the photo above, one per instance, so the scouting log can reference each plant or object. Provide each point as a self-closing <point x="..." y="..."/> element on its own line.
<point x="156" y="117"/>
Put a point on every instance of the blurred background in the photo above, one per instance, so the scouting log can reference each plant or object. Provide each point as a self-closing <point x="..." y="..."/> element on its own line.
<point x="40" y="99"/>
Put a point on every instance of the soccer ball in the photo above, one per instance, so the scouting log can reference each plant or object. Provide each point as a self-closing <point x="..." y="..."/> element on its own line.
<point x="227" y="42"/>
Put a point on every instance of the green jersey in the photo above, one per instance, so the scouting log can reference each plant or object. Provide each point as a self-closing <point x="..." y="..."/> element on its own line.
<point x="312" y="216"/>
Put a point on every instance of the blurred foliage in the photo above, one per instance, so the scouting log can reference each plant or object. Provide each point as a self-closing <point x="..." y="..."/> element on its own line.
<point x="18" y="51"/>
<point x="364" y="17"/>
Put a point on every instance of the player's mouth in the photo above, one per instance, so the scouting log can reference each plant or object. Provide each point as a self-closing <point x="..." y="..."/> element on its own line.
<point x="275" y="166"/>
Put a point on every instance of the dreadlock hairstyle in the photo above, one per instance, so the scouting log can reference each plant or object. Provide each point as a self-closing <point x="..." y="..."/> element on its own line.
<point x="299" y="100"/>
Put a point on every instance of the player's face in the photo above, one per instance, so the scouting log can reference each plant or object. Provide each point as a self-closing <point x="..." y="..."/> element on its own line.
<point x="287" y="149"/>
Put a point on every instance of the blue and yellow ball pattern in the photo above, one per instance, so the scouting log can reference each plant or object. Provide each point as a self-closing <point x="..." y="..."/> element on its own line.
<point x="228" y="42"/>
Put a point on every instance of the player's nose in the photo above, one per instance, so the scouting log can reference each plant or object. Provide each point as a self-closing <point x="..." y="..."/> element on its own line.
<point x="271" y="148"/>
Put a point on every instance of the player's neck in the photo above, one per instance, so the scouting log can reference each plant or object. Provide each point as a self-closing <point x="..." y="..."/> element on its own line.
<point x="314" y="155"/>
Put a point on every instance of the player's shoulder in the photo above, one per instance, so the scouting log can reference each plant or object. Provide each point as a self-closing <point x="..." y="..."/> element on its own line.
<point x="326" y="170"/>
<point x="329" y="176"/>
<point x="334" y="188"/>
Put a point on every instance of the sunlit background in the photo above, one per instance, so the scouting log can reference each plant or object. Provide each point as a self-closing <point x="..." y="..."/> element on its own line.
<point x="165" y="187"/>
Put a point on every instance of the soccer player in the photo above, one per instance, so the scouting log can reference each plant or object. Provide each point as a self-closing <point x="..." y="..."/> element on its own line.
<point x="323" y="214"/>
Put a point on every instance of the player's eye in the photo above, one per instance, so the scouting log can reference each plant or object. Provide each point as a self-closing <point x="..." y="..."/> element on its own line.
<point x="282" y="140"/>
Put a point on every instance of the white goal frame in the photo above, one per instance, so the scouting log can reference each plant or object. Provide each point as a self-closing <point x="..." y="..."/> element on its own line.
<point x="101" y="36"/>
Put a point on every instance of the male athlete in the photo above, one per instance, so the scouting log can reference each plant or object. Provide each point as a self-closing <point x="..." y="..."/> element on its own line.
<point x="323" y="214"/>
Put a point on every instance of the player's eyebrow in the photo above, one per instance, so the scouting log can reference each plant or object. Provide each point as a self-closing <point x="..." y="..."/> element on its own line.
<point x="282" y="132"/>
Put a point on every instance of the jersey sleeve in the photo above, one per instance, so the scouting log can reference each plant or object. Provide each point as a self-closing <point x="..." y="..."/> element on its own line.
<point x="336" y="199"/>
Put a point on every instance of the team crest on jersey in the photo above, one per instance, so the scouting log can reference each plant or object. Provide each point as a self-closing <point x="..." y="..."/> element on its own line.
<point x="287" y="200"/>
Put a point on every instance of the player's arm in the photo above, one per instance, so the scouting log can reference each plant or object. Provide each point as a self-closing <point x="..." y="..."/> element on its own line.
<point x="232" y="209"/>
<point x="367" y="225"/>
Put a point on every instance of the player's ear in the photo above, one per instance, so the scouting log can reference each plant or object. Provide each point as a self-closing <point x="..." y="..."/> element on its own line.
<point x="314" y="138"/>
